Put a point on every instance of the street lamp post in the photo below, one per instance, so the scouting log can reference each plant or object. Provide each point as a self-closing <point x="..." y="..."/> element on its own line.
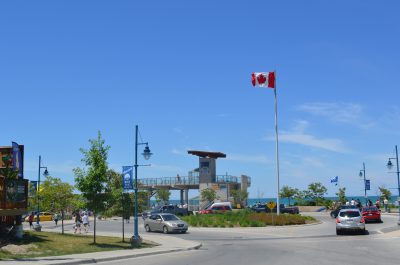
<point x="45" y="173"/>
<point x="390" y="165"/>
<point x="362" y="173"/>
<point x="136" y="240"/>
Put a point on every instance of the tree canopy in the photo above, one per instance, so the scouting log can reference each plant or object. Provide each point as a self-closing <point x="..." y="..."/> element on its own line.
<point x="92" y="181"/>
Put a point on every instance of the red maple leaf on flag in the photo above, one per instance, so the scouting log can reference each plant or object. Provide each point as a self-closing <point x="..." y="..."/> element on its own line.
<point x="261" y="79"/>
<point x="253" y="79"/>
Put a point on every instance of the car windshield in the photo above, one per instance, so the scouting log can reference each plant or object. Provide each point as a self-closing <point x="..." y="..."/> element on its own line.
<point x="349" y="214"/>
<point x="170" y="217"/>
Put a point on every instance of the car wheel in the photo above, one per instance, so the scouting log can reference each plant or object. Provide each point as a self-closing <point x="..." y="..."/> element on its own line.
<point x="147" y="227"/>
<point x="380" y="221"/>
<point x="338" y="232"/>
<point x="165" y="230"/>
<point x="363" y="232"/>
<point x="183" y="232"/>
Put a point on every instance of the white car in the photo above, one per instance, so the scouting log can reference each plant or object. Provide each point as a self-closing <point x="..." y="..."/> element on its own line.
<point x="350" y="220"/>
<point x="166" y="223"/>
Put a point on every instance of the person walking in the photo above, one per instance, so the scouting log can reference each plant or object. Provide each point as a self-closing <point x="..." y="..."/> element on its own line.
<point x="55" y="218"/>
<point x="385" y="204"/>
<point x="78" y="222"/>
<point x="30" y="220"/>
<point x="378" y="203"/>
<point x="85" y="221"/>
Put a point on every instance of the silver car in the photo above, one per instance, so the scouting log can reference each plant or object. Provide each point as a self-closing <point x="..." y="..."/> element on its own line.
<point x="350" y="220"/>
<point x="166" y="223"/>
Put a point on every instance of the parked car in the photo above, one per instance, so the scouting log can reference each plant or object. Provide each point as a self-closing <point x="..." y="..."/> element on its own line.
<point x="166" y="223"/>
<point x="371" y="213"/>
<point x="217" y="207"/>
<point x="350" y="220"/>
<point x="173" y="209"/>
<point x="282" y="209"/>
<point x="334" y="213"/>
<point x="44" y="216"/>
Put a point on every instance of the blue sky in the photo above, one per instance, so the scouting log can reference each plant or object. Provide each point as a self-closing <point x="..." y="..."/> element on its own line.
<point x="181" y="71"/>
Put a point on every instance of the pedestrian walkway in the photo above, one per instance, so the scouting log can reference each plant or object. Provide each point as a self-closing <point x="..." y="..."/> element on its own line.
<point x="164" y="244"/>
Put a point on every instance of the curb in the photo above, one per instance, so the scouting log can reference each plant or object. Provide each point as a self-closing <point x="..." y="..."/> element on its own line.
<point x="136" y="255"/>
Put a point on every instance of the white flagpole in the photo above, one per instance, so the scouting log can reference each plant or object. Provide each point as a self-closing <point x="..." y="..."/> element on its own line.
<point x="277" y="149"/>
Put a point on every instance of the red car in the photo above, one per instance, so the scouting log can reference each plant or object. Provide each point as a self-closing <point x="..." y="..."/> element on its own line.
<point x="217" y="208"/>
<point x="371" y="213"/>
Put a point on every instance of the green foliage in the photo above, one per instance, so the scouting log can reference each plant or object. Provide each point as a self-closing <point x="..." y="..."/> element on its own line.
<point x="239" y="196"/>
<point x="245" y="218"/>
<point x="55" y="195"/>
<point x="163" y="195"/>
<point x="93" y="181"/>
<point x="78" y="202"/>
<point x="385" y="193"/>
<point x="208" y="195"/>
<point x="342" y="195"/>
<point x="316" y="192"/>
<point x="288" y="192"/>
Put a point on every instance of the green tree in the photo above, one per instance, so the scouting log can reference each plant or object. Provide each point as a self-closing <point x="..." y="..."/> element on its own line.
<point x="239" y="196"/>
<point x="385" y="193"/>
<point x="300" y="197"/>
<point x="342" y="195"/>
<point x="163" y="195"/>
<point x="208" y="195"/>
<point x="92" y="181"/>
<point x="288" y="192"/>
<point x="316" y="192"/>
<point x="56" y="196"/>
<point x="78" y="202"/>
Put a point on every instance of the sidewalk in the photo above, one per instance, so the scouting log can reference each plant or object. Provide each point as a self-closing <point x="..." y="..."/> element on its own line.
<point x="166" y="244"/>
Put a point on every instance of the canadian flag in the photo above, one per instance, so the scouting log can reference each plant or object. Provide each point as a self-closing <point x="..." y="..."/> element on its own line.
<point x="266" y="79"/>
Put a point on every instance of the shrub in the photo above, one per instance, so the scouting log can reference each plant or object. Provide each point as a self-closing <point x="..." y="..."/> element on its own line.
<point x="246" y="218"/>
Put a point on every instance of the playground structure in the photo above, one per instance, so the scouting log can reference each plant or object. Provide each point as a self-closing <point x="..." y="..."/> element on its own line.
<point x="199" y="179"/>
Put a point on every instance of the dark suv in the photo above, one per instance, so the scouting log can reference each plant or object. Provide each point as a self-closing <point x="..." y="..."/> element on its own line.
<point x="334" y="213"/>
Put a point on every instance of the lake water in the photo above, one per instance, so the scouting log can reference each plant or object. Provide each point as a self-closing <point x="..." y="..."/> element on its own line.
<point x="252" y="201"/>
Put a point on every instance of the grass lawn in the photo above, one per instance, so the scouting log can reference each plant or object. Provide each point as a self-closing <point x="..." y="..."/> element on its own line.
<point x="40" y="244"/>
<point x="246" y="218"/>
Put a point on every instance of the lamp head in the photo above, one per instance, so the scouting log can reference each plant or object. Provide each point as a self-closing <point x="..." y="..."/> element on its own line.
<point x="361" y="174"/>
<point x="147" y="153"/>
<point x="46" y="173"/>
<point x="389" y="164"/>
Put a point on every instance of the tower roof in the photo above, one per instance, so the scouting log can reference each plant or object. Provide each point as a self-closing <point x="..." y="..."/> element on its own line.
<point x="206" y="154"/>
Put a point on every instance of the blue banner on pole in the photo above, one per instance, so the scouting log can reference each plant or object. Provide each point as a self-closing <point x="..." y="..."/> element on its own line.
<point x="127" y="178"/>
<point x="17" y="160"/>
<point x="33" y="188"/>
<point x="367" y="184"/>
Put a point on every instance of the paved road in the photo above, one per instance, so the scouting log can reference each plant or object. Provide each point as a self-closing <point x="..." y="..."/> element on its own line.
<point x="313" y="244"/>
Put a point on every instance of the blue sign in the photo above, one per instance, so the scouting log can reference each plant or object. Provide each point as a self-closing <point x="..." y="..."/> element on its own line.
<point x="33" y="188"/>
<point x="127" y="175"/>
<point x="367" y="184"/>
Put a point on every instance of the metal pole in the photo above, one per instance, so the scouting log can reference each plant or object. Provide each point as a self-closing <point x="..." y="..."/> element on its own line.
<point x="398" y="182"/>
<point x="135" y="227"/>
<point x="365" y="186"/>
<point x="277" y="150"/>
<point x="123" y="212"/>
<point x="37" y="193"/>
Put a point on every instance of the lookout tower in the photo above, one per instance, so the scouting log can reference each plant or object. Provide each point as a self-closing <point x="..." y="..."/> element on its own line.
<point x="207" y="165"/>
